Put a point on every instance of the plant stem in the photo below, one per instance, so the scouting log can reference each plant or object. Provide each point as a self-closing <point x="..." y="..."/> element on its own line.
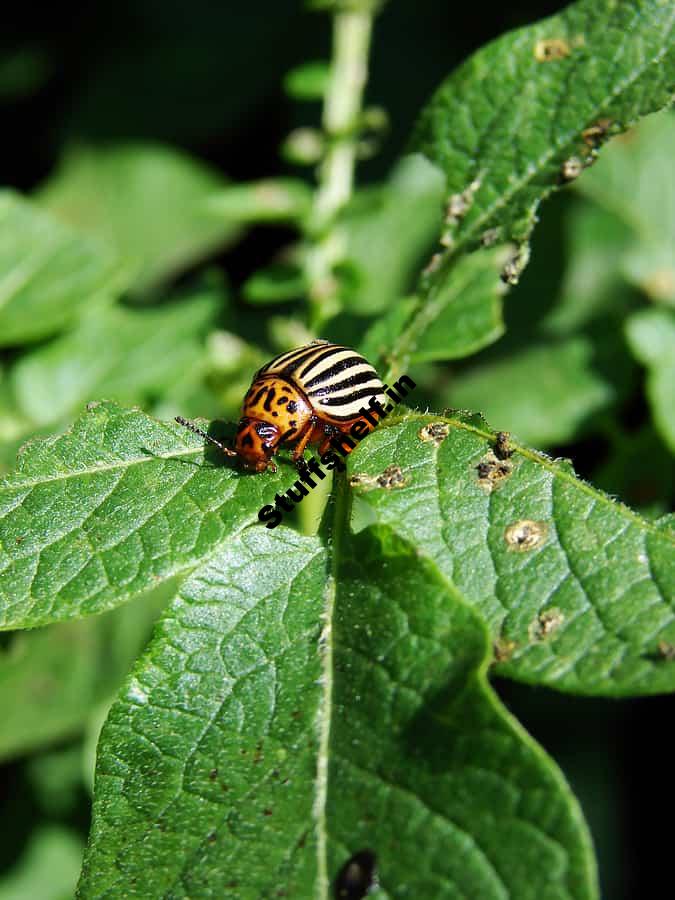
<point x="342" y="104"/>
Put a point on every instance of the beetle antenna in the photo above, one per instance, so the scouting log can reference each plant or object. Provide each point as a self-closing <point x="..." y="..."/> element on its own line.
<point x="192" y="427"/>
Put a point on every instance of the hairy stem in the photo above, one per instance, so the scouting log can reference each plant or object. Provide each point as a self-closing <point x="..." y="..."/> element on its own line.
<point x="342" y="105"/>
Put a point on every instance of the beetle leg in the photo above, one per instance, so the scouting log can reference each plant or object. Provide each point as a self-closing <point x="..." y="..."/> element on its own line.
<point x="329" y="432"/>
<point x="302" y="442"/>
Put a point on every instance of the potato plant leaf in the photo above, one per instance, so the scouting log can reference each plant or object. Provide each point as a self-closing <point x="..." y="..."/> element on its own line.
<point x="52" y="679"/>
<point x="459" y="319"/>
<point x="298" y="692"/>
<point x="49" y="273"/>
<point x="130" y="354"/>
<point x="651" y="336"/>
<point x="279" y="727"/>
<point x="116" y="505"/>
<point x="527" y="123"/>
<point x="149" y="202"/>
<point x="517" y="391"/>
<point x="576" y="588"/>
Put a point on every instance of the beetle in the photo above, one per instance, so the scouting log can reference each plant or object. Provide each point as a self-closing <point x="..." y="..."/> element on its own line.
<point x="304" y="396"/>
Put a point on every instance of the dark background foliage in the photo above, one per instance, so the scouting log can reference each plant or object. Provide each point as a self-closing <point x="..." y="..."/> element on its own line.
<point x="207" y="77"/>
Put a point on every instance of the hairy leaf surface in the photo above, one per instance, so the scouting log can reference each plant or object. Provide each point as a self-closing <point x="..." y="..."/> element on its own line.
<point x="576" y="588"/>
<point x="248" y="755"/>
<point x="116" y="505"/>
<point x="505" y="137"/>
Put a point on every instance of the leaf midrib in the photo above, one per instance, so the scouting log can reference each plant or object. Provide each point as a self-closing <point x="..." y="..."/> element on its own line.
<point x="22" y="482"/>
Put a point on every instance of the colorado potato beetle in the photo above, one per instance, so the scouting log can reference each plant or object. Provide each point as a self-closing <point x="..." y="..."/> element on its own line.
<point x="303" y="396"/>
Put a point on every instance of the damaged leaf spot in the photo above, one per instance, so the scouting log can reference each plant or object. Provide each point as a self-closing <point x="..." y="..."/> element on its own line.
<point x="436" y="432"/>
<point x="491" y="236"/>
<point x="595" y="134"/>
<point x="433" y="265"/>
<point x="358" y="877"/>
<point x="525" y="535"/>
<point x="492" y="471"/>
<point x="667" y="651"/>
<point x="551" y="49"/>
<point x="546" y="623"/>
<point x="571" y="169"/>
<point x="392" y="477"/>
<point x="513" y="268"/>
<point x="456" y="208"/>
<point x="502" y="448"/>
<point x="459" y="204"/>
<point x="503" y="649"/>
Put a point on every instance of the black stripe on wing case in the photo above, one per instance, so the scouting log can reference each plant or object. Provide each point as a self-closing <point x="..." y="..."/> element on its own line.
<point x="336" y="369"/>
<point x="349" y="398"/>
<point x="284" y="358"/>
<point x="291" y="368"/>
<point x="326" y="390"/>
<point x="320" y="356"/>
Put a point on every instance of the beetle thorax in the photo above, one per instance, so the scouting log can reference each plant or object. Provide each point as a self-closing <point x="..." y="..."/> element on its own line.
<point x="274" y="412"/>
<point x="276" y="401"/>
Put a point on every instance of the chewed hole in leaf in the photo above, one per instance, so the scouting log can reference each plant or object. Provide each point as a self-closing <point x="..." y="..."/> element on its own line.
<point x="492" y="471"/>
<point x="551" y="49"/>
<point x="435" y="432"/>
<point x="391" y="477"/>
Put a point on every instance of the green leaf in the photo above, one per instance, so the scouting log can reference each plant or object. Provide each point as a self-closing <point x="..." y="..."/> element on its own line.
<point x="307" y="698"/>
<point x="278" y="283"/>
<point x="270" y="200"/>
<point x="575" y="587"/>
<point x="462" y="317"/>
<point x="118" y="504"/>
<point x="651" y="335"/>
<point x="545" y="393"/>
<point x="148" y="201"/>
<point x="48" y="867"/>
<point x="55" y="778"/>
<point x="308" y="81"/>
<point x="261" y="784"/>
<point x="389" y="230"/>
<point x="506" y="127"/>
<point x="52" y="678"/>
<point x="121" y="353"/>
<point x="592" y="287"/>
<point x="633" y="181"/>
<point x="49" y="274"/>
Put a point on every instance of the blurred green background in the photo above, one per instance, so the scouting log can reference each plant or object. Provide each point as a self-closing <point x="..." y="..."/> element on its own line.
<point x="124" y="120"/>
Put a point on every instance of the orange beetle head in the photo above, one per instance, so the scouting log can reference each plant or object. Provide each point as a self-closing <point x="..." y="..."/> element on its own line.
<point x="256" y="443"/>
